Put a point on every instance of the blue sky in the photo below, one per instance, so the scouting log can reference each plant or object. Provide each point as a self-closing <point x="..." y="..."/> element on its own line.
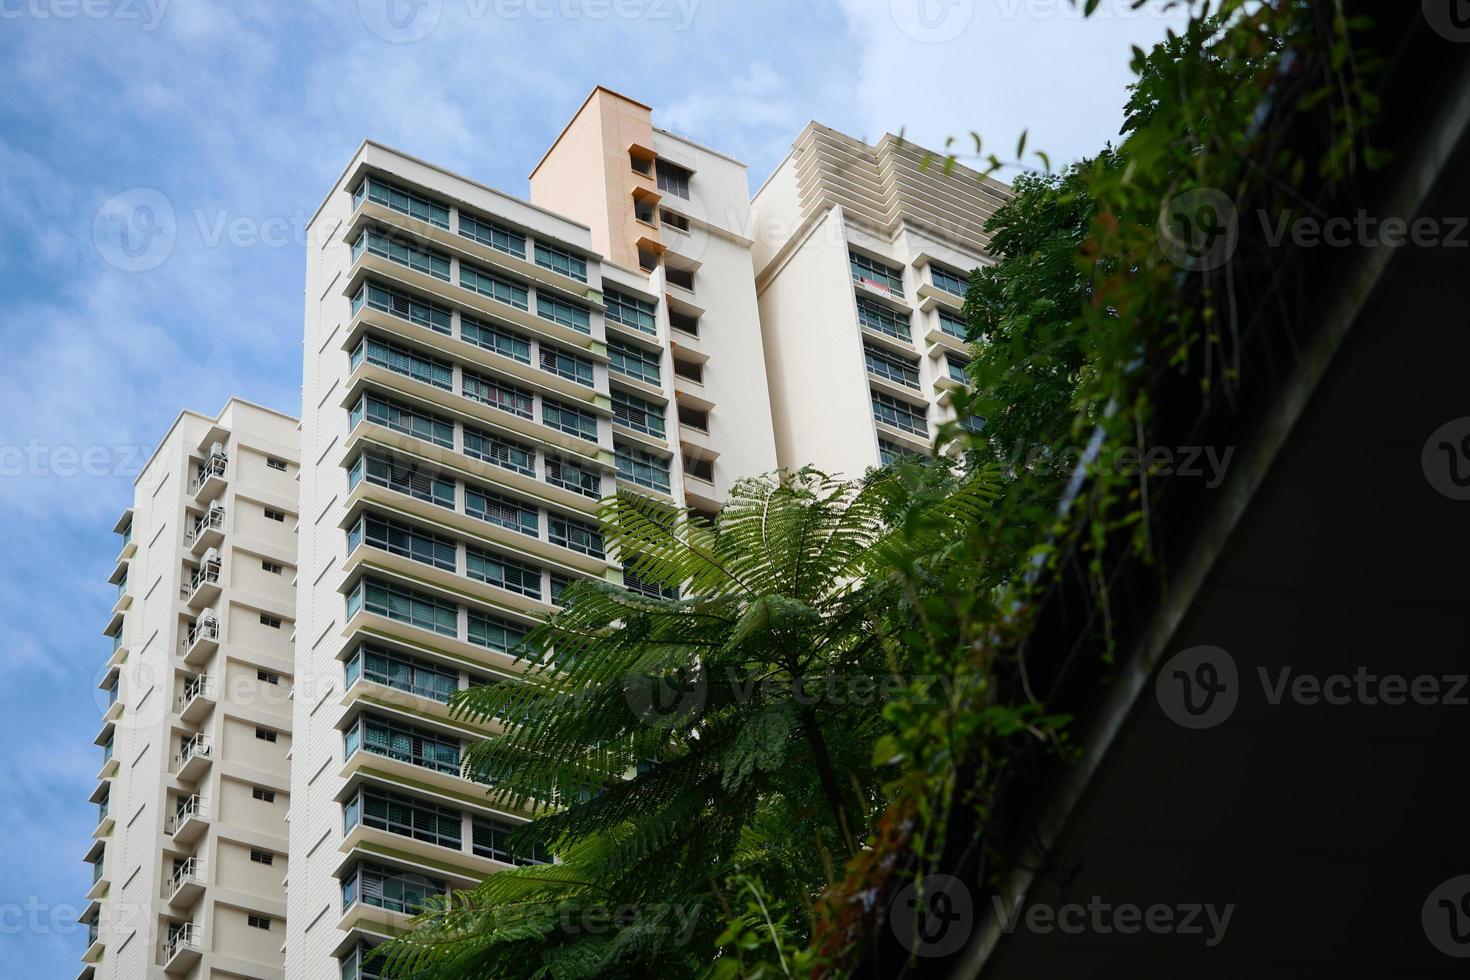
<point x="234" y="119"/>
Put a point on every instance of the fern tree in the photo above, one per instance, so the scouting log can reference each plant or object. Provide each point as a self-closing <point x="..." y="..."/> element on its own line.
<point x="725" y="727"/>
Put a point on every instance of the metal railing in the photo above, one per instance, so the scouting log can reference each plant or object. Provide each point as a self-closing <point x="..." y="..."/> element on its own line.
<point x="198" y="746"/>
<point x="191" y="807"/>
<point x="213" y="466"/>
<point x="192" y="869"/>
<point x="211" y="520"/>
<point x="204" y="629"/>
<point x="187" y="936"/>
<point x="199" y="687"/>
<point x="208" y="572"/>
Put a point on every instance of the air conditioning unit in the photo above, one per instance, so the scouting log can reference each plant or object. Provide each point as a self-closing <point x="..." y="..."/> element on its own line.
<point x="207" y="616"/>
<point x="211" y="557"/>
<point x="216" y="507"/>
<point x="217" y="449"/>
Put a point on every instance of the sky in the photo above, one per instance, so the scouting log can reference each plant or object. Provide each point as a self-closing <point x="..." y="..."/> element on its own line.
<point x="230" y="121"/>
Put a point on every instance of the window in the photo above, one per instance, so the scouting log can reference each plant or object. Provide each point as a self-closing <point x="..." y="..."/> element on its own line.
<point x="404" y="418"/>
<point x="391" y="301"/>
<point x="262" y="857"/>
<point x="559" y="585"/>
<point x="384" y="888"/>
<point x="274" y="622"/>
<point x="673" y="219"/>
<point x="643" y="211"/>
<point x="633" y="361"/>
<point x="947" y="280"/>
<point x="638" y="413"/>
<point x="495" y="508"/>
<point x="264" y="795"/>
<point x="402" y="672"/>
<point x="647" y="260"/>
<point x="955" y="368"/>
<point x="573" y="477"/>
<point x="560" y="260"/>
<point x="652" y="590"/>
<point x="265" y="734"/>
<point x="890" y="452"/>
<point x="568" y="419"/>
<point x="695" y="418"/>
<point x="404" y="815"/>
<point x="495" y="235"/>
<point x="630" y="311"/>
<point x="899" y="414"/>
<point x="704" y="469"/>
<point x="498" y="288"/>
<point x="566" y="313"/>
<point x="403" y="253"/>
<point x="275" y="464"/>
<point x="491" y="839"/>
<point x="269" y="677"/>
<point x="576" y="535"/>
<point x="358" y="964"/>
<point x="405" y="606"/>
<point x="495" y="633"/>
<point x="272" y="514"/>
<point x="952" y="324"/>
<point x="683" y="278"/>
<point x="503" y="572"/>
<point x="972" y="423"/>
<point x="642" y="468"/>
<point x="402" y="477"/>
<point x="672" y="179"/>
<point x="885" y="277"/>
<point x="405" y="361"/>
<point x="685" y="322"/>
<point x="499" y="451"/>
<point x="895" y="368"/>
<point x="565" y="365"/>
<point x="404" y="201"/>
<point x="692" y="370"/>
<point x="498" y="394"/>
<point x="641" y="164"/>
<point x="876" y="316"/>
<point x="258" y="921"/>
<point x="404" y="540"/>
<point x="506" y="343"/>
<point x="406" y="743"/>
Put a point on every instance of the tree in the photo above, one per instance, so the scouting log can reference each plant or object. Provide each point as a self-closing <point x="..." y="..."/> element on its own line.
<point x="669" y="744"/>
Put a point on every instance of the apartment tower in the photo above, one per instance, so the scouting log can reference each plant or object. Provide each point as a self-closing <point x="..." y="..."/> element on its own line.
<point x="862" y="257"/>
<point x="189" y="854"/>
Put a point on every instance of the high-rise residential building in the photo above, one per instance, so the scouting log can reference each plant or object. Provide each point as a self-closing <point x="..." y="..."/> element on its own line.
<point x="189" y="854"/>
<point x="480" y="371"/>
<point x="862" y="256"/>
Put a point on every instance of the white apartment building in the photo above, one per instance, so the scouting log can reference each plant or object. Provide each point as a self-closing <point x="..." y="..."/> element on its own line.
<point x="862" y="257"/>
<point x="189" y="854"/>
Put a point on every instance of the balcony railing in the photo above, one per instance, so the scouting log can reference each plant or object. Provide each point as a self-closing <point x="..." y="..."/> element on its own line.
<point x="191" y="870"/>
<point x="197" y="747"/>
<point x="188" y="936"/>
<point x="208" y="573"/>
<point x="203" y="629"/>
<point x="211" y="520"/>
<point x="211" y="467"/>
<point x="199" y="687"/>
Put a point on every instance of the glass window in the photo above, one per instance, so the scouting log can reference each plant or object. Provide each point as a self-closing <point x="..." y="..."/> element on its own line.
<point x="402" y="305"/>
<point x="568" y="419"/>
<point x="491" y="839"/>
<point x="638" y="413"/>
<point x="505" y="453"/>
<point x="886" y="364"/>
<point x="566" y="365"/>
<point x="577" y="535"/>
<point x="405" y="419"/>
<point x="403" y="672"/>
<point x="902" y="415"/>
<point x="407" y="816"/>
<point x="652" y="590"/>
<point x="499" y="394"/>
<point x="405" y="253"/>
<point x="386" y="888"/>
<point x="573" y="477"/>
<point x="566" y="313"/>
<point x="506" y="343"/>
<point x="890" y="452"/>
<point x="404" y="201"/>
<point x="947" y="280"/>
<point x="404" y="540"/>
<point x="633" y="361"/>
<point x="503" y="572"/>
<point x="405" y="361"/>
<point x="630" y="311"/>
<point x="406" y="743"/>
<point x="495" y="508"/>
<point x="404" y="477"/>
<point x="495" y="235"/>
<point x="672" y="178"/>
<point x="642" y="468"/>
<point x="405" y="606"/>
<point x="952" y="324"/>
<point x="560" y="260"/>
<point x="495" y="633"/>
<point x="498" y="288"/>
<point x="870" y="270"/>
<point x="878" y="317"/>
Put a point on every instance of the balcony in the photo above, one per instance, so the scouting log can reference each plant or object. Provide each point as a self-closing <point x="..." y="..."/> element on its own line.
<point x="202" y="640"/>
<point x="204" y="585"/>
<point x="197" y="699"/>
<point x="100" y="880"/>
<point x="182" y="949"/>
<point x="124" y="530"/>
<point x="93" y="954"/>
<point x="194" y="757"/>
<point x="186" y="884"/>
<point x="208" y="529"/>
<point x="124" y="597"/>
<point x="209" y="477"/>
<point x="109" y="763"/>
<point x="189" y="820"/>
<point x="104" y="820"/>
<point x="119" y="651"/>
